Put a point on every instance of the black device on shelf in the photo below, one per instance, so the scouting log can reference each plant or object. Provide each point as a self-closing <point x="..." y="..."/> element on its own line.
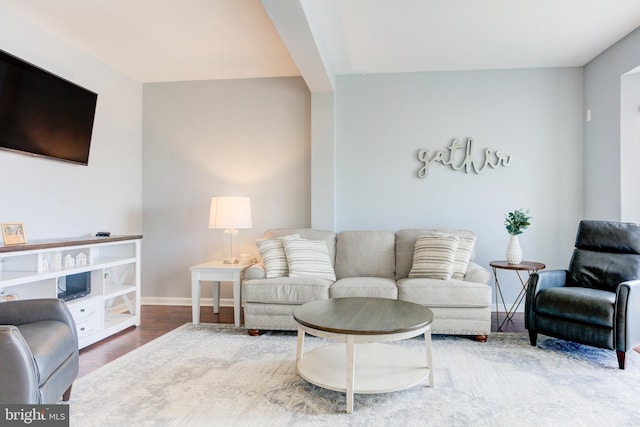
<point x="74" y="286"/>
<point x="42" y="114"/>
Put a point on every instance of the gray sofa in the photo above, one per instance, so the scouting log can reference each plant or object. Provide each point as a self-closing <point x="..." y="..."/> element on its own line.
<point x="370" y="264"/>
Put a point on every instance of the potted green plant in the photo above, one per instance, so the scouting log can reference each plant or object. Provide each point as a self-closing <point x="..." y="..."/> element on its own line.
<point x="515" y="223"/>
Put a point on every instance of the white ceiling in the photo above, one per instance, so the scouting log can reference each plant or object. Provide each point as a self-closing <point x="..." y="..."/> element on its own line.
<point x="174" y="40"/>
<point x="382" y="36"/>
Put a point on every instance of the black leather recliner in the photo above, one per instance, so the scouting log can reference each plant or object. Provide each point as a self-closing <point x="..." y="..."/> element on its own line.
<point x="597" y="301"/>
<point x="38" y="351"/>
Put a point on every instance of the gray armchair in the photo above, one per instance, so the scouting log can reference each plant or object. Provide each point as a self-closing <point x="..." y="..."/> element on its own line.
<point x="38" y="351"/>
<point x="597" y="301"/>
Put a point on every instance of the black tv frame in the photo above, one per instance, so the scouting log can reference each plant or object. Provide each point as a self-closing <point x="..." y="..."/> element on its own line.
<point x="44" y="115"/>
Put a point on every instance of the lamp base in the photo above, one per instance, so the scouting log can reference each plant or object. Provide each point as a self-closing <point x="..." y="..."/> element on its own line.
<point x="230" y="261"/>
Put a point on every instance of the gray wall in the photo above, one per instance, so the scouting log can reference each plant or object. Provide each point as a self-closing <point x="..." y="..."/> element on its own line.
<point x="603" y="181"/>
<point x="630" y="147"/>
<point x="533" y="115"/>
<point x="252" y="138"/>
<point x="218" y="138"/>
<point x="56" y="199"/>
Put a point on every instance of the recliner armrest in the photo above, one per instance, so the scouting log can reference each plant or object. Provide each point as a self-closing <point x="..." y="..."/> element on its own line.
<point x="17" y="368"/>
<point x="627" y="315"/>
<point x="538" y="281"/>
<point x="36" y="310"/>
<point x="547" y="279"/>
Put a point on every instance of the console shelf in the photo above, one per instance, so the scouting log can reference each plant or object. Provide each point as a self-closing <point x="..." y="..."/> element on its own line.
<point x="33" y="270"/>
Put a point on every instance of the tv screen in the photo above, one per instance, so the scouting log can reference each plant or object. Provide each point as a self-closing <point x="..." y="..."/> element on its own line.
<point x="42" y="114"/>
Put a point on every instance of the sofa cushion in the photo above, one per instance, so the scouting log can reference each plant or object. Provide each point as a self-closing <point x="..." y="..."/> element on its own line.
<point x="591" y="306"/>
<point x="307" y="233"/>
<point x="433" y="256"/>
<point x="273" y="256"/>
<point x="463" y="256"/>
<point x="286" y="290"/>
<point x="376" y="287"/>
<point x="406" y="242"/>
<point x="466" y="245"/>
<point x="365" y="254"/>
<point x="441" y="293"/>
<point x="308" y="258"/>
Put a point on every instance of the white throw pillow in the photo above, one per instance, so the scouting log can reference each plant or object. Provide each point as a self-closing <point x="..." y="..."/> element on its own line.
<point x="463" y="256"/>
<point x="433" y="256"/>
<point x="309" y="258"/>
<point x="273" y="256"/>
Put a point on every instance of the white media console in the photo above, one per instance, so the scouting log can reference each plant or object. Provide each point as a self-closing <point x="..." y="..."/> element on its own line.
<point x="33" y="271"/>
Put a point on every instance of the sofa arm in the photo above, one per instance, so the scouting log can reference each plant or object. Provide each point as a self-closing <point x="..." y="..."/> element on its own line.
<point x="477" y="273"/>
<point x="17" y="368"/>
<point x="36" y="310"/>
<point x="256" y="271"/>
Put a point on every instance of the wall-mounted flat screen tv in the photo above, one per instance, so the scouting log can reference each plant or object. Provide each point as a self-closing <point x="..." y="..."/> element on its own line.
<point x="42" y="114"/>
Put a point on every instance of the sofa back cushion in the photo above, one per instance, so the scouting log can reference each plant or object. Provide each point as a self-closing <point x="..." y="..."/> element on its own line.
<point x="406" y="242"/>
<point x="365" y="254"/>
<point x="308" y="234"/>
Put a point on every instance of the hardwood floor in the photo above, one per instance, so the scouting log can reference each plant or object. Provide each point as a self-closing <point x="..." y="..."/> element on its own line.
<point x="157" y="320"/>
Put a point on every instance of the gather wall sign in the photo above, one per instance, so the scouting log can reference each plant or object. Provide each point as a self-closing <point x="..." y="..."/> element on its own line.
<point x="448" y="157"/>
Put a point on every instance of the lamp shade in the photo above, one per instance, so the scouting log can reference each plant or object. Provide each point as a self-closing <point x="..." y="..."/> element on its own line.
<point x="230" y="213"/>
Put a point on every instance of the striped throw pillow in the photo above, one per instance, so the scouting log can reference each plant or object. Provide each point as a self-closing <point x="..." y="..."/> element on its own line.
<point x="433" y="256"/>
<point x="309" y="258"/>
<point x="274" y="257"/>
<point x="463" y="256"/>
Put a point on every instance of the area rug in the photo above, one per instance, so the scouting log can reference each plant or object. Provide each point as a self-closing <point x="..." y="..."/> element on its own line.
<point x="217" y="375"/>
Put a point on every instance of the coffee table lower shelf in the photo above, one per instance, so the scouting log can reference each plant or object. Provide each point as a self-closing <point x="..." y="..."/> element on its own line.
<point x="359" y="360"/>
<point x="379" y="368"/>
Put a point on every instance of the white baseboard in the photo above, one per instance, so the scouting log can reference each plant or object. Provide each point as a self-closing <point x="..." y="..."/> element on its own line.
<point x="204" y="302"/>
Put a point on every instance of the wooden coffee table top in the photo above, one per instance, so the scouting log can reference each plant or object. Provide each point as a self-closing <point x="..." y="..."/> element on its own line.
<point x="363" y="316"/>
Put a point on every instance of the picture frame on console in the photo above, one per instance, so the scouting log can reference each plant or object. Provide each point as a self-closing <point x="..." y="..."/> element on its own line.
<point x="13" y="233"/>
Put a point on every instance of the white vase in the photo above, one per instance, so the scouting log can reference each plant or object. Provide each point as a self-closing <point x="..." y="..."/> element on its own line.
<point x="514" y="252"/>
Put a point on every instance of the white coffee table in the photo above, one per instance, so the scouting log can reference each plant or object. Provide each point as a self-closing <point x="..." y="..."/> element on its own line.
<point x="360" y="362"/>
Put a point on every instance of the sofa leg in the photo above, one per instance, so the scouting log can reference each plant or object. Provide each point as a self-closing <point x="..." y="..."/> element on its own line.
<point x="253" y="332"/>
<point x="622" y="362"/>
<point x="533" y="337"/>
<point x="481" y="338"/>
<point x="67" y="394"/>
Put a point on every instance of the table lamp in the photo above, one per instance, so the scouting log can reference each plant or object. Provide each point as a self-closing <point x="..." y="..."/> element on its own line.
<point x="230" y="214"/>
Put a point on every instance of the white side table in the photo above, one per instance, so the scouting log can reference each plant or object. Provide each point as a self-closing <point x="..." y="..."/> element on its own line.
<point x="216" y="272"/>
